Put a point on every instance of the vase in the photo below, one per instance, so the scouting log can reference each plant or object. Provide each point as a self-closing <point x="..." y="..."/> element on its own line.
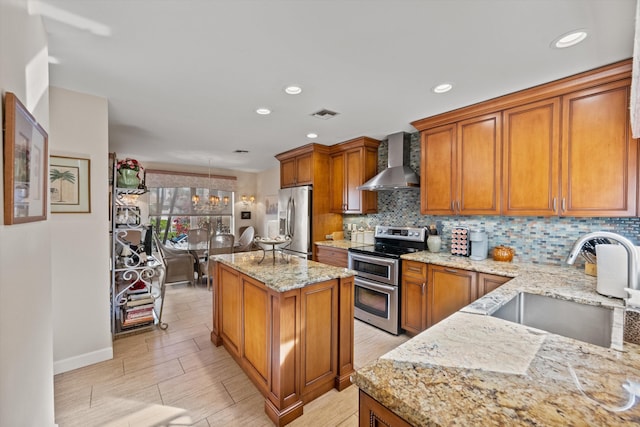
<point x="434" y="242"/>
<point x="128" y="178"/>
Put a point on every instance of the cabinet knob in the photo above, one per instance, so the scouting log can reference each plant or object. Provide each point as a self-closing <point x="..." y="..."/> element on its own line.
<point x="422" y="288"/>
<point x="451" y="270"/>
<point x="564" y="204"/>
<point x="555" y="204"/>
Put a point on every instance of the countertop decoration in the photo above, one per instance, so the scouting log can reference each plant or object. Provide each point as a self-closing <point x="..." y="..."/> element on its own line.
<point x="475" y="369"/>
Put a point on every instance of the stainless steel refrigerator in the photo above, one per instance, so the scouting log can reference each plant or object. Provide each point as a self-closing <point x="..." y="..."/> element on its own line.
<point x="294" y="219"/>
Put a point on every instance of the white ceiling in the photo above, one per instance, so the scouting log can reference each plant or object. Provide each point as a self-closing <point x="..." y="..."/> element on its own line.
<point x="184" y="77"/>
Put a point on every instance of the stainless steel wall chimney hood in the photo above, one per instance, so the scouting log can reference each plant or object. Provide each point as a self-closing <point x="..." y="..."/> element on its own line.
<point x="398" y="175"/>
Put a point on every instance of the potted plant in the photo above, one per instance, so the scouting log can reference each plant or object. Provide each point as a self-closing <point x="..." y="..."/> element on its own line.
<point x="128" y="173"/>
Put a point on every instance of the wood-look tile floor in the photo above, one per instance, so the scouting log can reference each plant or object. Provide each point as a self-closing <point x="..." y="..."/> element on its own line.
<point x="177" y="377"/>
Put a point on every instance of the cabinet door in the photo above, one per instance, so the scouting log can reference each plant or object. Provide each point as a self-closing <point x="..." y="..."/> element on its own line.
<point x="414" y="297"/>
<point x="337" y="178"/>
<point x="448" y="291"/>
<point x="439" y="168"/>
<point x="479" y="159"/>
<point x="531" y="158"/>
<point x="354" y="168"/>
<point x="304" y="169"/>
<point x="489" y="282"/>
<point x="599" y="157"/>
<point x="288" y="173"/>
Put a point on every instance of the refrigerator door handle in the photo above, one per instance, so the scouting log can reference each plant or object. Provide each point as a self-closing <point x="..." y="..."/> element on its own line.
<point x="292" y="216"/>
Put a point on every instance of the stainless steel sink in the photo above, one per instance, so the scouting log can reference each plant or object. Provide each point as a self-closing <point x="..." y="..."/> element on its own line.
<point x="588" y="323"/>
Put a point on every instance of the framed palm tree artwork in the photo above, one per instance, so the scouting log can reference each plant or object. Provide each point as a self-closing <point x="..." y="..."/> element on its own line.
<point x="69" y="184"/>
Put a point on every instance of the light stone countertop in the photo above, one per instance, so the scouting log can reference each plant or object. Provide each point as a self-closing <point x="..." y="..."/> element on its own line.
<point x="474" y="369"/>
<point x="282" y="276"/>
<point x="341" y="244"/>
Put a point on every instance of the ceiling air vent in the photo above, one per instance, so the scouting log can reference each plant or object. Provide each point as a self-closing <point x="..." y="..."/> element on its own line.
<point x="324" y="114"/>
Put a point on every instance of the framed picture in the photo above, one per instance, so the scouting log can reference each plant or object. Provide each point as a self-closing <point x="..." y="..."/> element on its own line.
<point x="69" y="184"/>
<point x="25" y="165"/>
<point x="245" y="215"/>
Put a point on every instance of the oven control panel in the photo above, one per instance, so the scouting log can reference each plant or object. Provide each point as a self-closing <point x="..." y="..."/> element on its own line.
<point x="414" y="234"/>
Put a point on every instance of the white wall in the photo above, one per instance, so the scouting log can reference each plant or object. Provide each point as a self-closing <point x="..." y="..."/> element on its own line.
<point x="80" y="241"/>
<point x="26" y="355"/>
<point x="268" y="184"/>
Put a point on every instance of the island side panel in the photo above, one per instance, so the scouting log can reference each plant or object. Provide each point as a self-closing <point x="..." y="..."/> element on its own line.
<point x="319" y="338"/>
<point x="256" y="347"/>
<point x="215" y="292"/>
<point x="283" y="403"/>
<point x="345" y="334"/>
<point x="230" y="308"/>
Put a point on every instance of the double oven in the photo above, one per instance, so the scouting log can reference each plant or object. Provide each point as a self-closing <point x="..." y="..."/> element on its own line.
<point x="378" y="268"/>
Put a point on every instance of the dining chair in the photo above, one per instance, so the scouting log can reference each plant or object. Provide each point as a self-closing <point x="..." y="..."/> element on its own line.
<point x="178" y="264"/>
<point x="197" y="244"/>
<point x="218" y="244"/>
<point x="245" y="242"/>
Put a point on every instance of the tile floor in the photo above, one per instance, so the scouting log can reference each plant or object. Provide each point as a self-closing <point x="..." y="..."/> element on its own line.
<point x="177" y="377"/>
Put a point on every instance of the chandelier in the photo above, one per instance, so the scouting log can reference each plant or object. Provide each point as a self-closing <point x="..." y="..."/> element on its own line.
<point x="213" y="204"/>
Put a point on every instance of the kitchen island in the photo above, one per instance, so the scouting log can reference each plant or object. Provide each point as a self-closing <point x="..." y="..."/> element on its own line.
<point x="475" y="369"/>
<point x="289" y="326"/>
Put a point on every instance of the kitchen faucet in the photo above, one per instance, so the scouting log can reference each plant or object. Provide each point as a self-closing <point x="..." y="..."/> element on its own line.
<point x="632" y="255"/>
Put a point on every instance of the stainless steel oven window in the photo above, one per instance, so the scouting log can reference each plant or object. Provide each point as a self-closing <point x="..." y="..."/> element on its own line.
<point x="377" y="304"/>
<point x="380" y="269"/>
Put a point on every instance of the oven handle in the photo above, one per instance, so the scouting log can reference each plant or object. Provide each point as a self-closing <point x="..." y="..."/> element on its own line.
<point x="373" y="285"/>
<point x="389" y="262"/>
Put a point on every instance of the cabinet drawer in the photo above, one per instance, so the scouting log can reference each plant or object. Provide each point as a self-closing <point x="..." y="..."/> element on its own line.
<point x="332" y="256"/>
<point x="414" y="269"/>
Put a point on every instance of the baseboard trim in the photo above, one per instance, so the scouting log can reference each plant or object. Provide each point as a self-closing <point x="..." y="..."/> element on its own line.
<point x="82" y="360"/>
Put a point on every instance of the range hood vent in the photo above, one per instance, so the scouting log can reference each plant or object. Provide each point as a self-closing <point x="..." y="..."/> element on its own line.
<point x="398" y="175"/>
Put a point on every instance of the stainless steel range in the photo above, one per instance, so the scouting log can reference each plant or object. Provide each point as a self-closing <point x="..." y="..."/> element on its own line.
<point x="378" y="267"/>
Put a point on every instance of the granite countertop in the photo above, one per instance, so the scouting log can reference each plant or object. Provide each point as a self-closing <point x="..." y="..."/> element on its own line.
<point x="341" y="244"/>
<point x="474" y="369"/>
<point x="282" y="276"/>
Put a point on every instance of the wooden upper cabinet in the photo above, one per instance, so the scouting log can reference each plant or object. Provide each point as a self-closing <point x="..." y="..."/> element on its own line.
<point x="296" y="171"/>
<point x="352" y="164"/>
<point x="531" y="159"/>
<point x="479" y="160"/>
<point x="599" y="156"/>
<point x="438" y="168"/>
<point x="561" y="148"/>
<point x="460" y="167"/>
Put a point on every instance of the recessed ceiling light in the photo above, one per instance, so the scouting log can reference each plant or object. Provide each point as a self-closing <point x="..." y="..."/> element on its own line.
<point x="312" y="135"/>
<point x="569" y="39"/>
<point x="293" y="90"/>
<point x="263" y="111"/>
<point x="442" y="88"/>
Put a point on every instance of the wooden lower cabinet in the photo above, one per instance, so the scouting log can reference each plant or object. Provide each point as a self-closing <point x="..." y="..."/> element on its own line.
<point x="489" y="282"/>
<point x="449" y="290"/>
<point x="431" y="293"/>
<point x="294" y="345"/>
<point x="413" y="312"/>
<point x="371" y="413"/>
<point x="332" y="256"/>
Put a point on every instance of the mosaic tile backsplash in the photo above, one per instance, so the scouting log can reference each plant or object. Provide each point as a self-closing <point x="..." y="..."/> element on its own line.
<point x="543" y="240"/>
